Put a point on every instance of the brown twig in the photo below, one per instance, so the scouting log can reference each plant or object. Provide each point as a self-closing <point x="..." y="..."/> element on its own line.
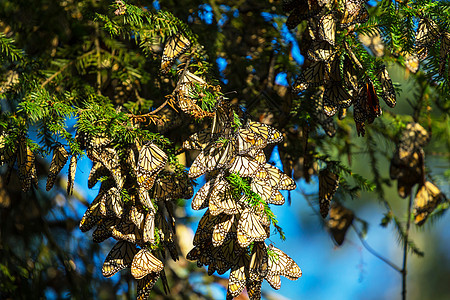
<point x="405" y="247"/>
<point x="373" y="252"/>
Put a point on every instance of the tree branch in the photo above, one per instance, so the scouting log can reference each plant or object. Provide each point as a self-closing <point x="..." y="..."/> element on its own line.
<point x="405" y="247"/>
<point x="373" y="252"/>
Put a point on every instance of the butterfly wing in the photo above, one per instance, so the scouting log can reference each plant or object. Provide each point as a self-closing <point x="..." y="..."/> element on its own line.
<point x="328" y="184"/>
<point x="175" y="46"/>
<point x="60" y="157"/>
<point x="120" y="257"/>
<point x="144" y="263"/>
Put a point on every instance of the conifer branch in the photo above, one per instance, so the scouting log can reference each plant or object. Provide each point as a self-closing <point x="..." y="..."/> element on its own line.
<point x="65" y="67"/>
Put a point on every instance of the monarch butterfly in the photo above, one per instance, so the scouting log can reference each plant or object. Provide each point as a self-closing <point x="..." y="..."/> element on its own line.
<point x="267" y="132"/>
<point x="110" y="159"/>
<point x="172" y="186"/>
<point x="201" y="198"/>
<point x="215" y="156"/>
<point x="60" y="157"/>
<point x="204" y="229"/>
<point x="368" y="102"/>
<point x="426" y="36"/>
<point x="414" y="137"/>
<point x="119" y="258"/>
<point x="335" y="96"/>
<point x="222" y="120"/>
<point x="145" y="285"/>
<point x="114" y="203"/>
<point x="407" y="167"/>
<point x="350" y="74"/>
<point x="127" y="231"/>
<point x="249" y="229"/>
<point x="7" y="155"/>
<point x="201" y="253"/>
<point x="25" y="160"/>
<point x="266" y="192"/>
<point x="175" y="46"/>
<point x="444" y="52"/>
<point x="327" y="28"/>
<point x="185" y="85"/>
<point x="95" y="212"/>
<point x="238" y="277"/>
<point x="301" y="10"/>
<point x="254" y="289"/>
<point x="198" y="140"/>
<point x="258" y="155"/>
<point x="222" y="199"/>
<point x="145" y="199"/>
<point x="328" y="184"/>
<point x="312" y="76"/>
<point x="297" y="16"/>
<point x="136" y="215"/>
<point x="321" y="51"/>
<point x="388" y="94"/>
<point x="276" y="178"/>
<point x="340" y="220"/>
<point x="326" y="122"/>
<point x="258" y="266"/>
<point x="374" y="42"/>
<point x="94" y="142"/>
<point x="225" y="257"/>
<point x="104" y="229"/>
<point x="247" y="140"/>
<point x="148" y="233"/>
<point x="280" y="264"/>
<point x="71" y="174"/>
<point x="187" y="97"/>
<point x="427" y="199"/>
<point x="97" y="171"/>
<point x="354" y="12"/>
<point x="145" y="263"/>
<point x="223" y="224"/>
<point x="151" y="160"/>
<point x="411" y="61"/>
<point x="244" y="166"/>
<point x="359" y="115"/>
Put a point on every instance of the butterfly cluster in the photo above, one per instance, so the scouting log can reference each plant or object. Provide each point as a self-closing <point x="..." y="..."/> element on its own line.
<point x="408" y="167"/>
<point x="240" y="185"/>
<point x="137" y="185"/>
<point x="19" y="151"/>
<point x="407" y="163"/>
<point x="428" y="34"/>
<point x="333" y="64"/>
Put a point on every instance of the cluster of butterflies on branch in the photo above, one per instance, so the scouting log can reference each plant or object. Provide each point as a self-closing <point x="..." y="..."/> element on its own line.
<point x="135" y="207"/>
<point x="240" y="185"/>
<point x="140" y="182"/>
<point x="408" y="168"/>
<point x="333" y="65"/>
